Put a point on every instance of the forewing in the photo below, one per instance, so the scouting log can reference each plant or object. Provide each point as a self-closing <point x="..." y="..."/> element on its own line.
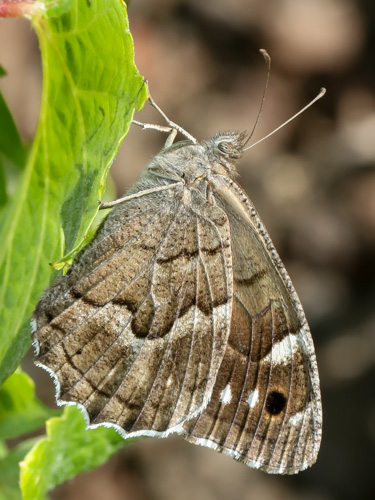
<point x="265" y="409"/>
<point x="136" y="330"/>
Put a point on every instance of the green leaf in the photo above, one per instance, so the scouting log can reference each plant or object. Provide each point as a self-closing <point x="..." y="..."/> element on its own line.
<point x="91" y="88"/>
<point x="11" y="147"/>
<point x="3" y="450"/>
<point x="67" y="450"/>
<point x="20" y="411"/>
<point x="9" y="470"/>
<point x="3" y="192"/>
<point x="10" y="143"/>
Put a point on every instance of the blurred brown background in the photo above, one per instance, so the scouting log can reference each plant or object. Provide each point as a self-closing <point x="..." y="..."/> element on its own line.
<point x="313" y="184"/>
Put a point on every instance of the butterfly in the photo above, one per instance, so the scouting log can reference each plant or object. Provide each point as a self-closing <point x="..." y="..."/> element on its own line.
<point x="179" y="317"/>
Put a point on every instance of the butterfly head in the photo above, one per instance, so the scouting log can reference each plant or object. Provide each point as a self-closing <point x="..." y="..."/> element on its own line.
<point x="228" y="145"/>
<point x="225" y="148"/>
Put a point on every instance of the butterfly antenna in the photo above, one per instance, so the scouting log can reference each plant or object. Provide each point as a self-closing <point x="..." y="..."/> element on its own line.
<point x="319" y="96"/>
<point x="267" y="58"/>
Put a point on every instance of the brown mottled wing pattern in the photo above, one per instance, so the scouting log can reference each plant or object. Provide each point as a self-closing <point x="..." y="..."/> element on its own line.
<point x="265" y="409"/>
<point x="136" y="330"/>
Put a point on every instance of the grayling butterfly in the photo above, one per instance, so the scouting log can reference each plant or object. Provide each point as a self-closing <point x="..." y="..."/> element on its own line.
<point x="179" y="317"/>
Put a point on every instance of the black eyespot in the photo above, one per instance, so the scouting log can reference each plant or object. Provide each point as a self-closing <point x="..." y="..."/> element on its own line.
<point x="275" y="403"/>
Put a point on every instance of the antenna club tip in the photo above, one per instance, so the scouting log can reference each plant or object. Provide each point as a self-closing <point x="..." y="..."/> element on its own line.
<point x="323" y="90"/>
<point x="265" y="54"/>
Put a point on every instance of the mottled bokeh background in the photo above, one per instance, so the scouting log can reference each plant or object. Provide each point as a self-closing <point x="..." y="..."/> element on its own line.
<point x="313" y="184"/>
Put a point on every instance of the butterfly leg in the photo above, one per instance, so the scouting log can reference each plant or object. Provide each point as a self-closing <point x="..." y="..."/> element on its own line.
<point x="110" y="204"/>
<point x="171" y="131"/>
<point x="172" y="125"/>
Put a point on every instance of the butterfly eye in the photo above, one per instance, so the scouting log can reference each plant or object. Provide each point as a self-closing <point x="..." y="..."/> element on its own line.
<point x="224" y="146"/>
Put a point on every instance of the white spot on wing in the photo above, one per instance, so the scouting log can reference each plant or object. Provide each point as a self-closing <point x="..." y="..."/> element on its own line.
<point x="296" y="418"/>
<point x="226" y="395"/>
<point x="253" y="398"/>
<point x="282" y="352"/>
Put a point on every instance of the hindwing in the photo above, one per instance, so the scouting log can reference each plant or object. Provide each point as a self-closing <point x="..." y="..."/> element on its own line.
<point x="265" y="409"/>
